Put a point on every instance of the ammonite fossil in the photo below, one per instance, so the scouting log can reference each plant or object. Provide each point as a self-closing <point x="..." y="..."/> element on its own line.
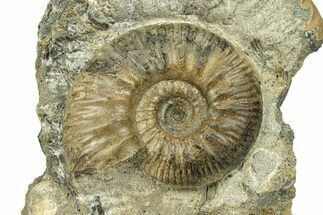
<point x="185" y="96"/>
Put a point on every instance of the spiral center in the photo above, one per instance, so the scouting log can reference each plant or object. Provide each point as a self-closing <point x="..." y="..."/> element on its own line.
<point x="175" y="115"/>
<point x="176" y="108"/>
<point x="178" y="114"/>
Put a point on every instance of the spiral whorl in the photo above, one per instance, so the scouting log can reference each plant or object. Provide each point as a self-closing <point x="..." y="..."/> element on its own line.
<point x="181" y="93"/>
<point x="172" y="108"/>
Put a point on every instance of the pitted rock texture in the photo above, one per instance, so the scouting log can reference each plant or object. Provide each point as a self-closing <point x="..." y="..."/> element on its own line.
<point x="274" y="37"/>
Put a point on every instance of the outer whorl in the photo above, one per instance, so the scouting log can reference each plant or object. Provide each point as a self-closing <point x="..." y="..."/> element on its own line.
<point x="182" y="93"/>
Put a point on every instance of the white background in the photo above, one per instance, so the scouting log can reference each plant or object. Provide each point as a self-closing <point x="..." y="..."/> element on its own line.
<point x="21" y="159"/>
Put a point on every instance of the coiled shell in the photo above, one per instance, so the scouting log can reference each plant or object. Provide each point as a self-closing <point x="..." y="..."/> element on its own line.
<point x="183" y="94"/>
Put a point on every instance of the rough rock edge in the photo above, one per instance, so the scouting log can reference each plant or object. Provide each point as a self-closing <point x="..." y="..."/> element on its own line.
<point x="316" y="28"/>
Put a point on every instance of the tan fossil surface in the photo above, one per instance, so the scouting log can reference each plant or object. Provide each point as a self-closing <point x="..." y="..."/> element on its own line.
<point x="195" y="109"/>
<point x="169" y="106"/>
<point x="315" y="23"/>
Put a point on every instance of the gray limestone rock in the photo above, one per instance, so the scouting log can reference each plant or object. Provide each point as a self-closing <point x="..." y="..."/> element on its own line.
<point x="84" y="44"/>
